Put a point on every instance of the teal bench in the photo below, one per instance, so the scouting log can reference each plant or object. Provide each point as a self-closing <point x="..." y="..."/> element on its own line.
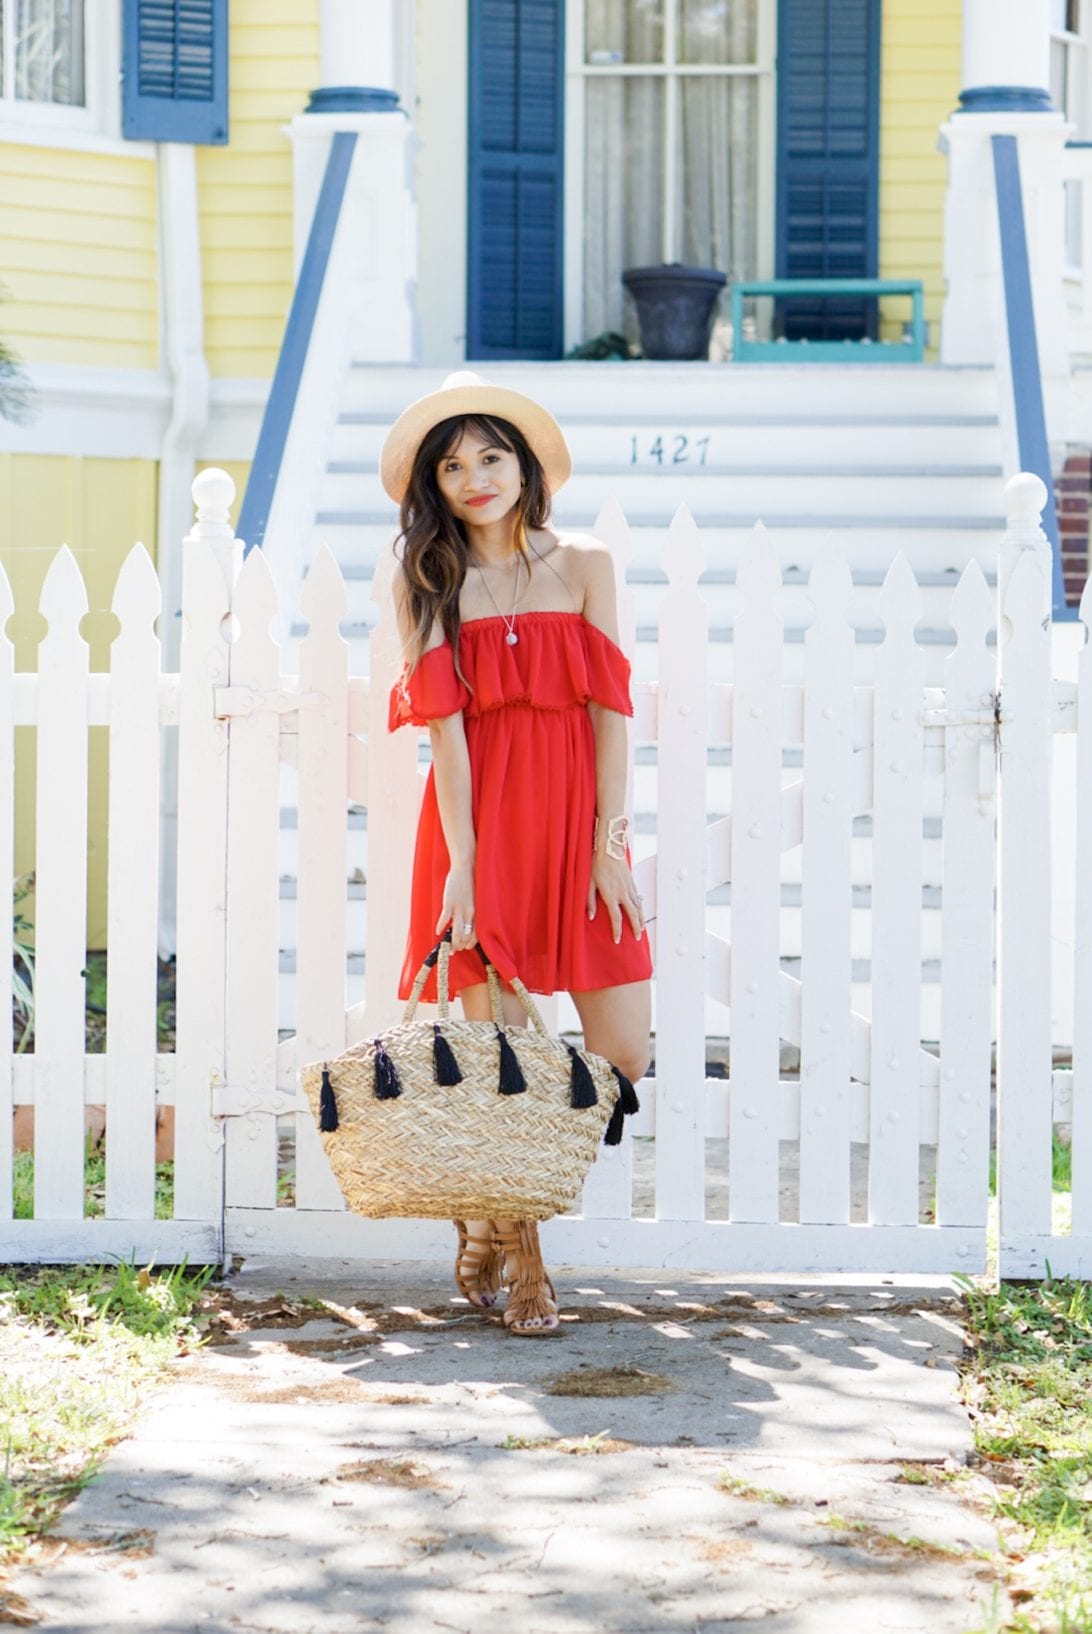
<point x="910" y="350"/>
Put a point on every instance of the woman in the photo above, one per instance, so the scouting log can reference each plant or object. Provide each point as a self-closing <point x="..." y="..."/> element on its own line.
<point x="510" y="636"/>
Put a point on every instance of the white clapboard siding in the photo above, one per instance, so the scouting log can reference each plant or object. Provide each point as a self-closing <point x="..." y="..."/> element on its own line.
<point x="1081" y="1143"/>
<point x="210" y="562"/>
<point x="253" y="826"/>
<point x="1024" y="1064"/>
<point x="826" y="816"/>
<point x="7" y="877"/>
<point x="680" y="895"/>
<point x="966" y="972"/>
<point x="753" y="994"/>
<point x="60" y="884"/>
<point x="322" y="860"/>
<point x="132" y="862"/>
<point x="896" y="905"/>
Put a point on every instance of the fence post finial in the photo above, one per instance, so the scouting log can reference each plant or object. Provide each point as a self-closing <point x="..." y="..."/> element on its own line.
<point x="213" y="491"/>
<point x="1025" y="497"/>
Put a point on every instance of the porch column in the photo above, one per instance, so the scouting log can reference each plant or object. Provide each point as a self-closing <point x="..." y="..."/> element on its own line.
<point x="359" y="42"/>
<point x="1006" y="75"/>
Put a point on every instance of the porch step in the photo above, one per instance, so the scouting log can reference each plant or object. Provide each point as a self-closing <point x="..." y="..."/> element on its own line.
<point x="641" y="440"/>
<point x="734" y="497"/>
<point x="688" y="391"/>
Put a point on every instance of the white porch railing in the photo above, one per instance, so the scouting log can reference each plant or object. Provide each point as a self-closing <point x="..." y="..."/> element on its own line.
<point x="893" y="751"/>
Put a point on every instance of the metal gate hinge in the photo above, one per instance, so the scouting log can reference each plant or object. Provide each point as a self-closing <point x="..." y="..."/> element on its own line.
<point x="957" y="717"/>
<point x="253" y="700"/>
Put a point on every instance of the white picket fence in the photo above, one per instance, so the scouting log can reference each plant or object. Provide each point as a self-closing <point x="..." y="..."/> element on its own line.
<point x="806" y="761"/>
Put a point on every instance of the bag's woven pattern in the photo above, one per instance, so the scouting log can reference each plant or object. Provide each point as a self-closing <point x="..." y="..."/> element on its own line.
<point x="461" y="1151"/>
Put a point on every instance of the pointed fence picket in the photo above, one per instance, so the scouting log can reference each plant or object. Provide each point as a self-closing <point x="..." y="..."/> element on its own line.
<point x="322" y="798"/>
<point x="680" y="898"/>
<point x="826" y="865"/>
<point x="61" y="870"/>
<point x="132" y="892"/>
<point x="754" y="999"/>
<point x="883" y="753"/>
<point x="7" y="903"/>
<point x="966" y="969"/>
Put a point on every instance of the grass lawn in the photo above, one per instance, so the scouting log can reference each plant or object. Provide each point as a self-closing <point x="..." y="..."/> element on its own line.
<point x="80" y="1348"/>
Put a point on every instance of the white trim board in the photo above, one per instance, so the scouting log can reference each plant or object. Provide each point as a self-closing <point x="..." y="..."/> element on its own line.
<point x="123" y="414"/>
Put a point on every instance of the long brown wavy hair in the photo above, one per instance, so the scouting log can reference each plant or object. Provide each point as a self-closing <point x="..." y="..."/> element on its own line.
<point x="432" y="545"/>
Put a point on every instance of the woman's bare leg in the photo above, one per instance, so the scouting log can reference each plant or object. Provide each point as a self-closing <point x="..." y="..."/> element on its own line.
<point x="524" y="1261"/>
<point x="616" y="1023"/>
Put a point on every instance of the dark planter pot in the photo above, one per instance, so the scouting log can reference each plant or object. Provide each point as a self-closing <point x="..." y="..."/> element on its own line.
<point x="675" y="309"/>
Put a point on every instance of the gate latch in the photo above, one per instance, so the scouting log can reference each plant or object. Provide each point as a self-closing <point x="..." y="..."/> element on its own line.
<point x="236" y="1100"/>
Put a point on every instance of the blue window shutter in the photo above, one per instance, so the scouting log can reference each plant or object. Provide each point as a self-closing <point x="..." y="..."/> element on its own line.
<point x="514" y="217"/>
<point x="828" y="108"/>
<point x="175" y="70"/>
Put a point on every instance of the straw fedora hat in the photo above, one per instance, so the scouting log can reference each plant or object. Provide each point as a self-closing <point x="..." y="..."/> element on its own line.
<point x="467" y="393"/>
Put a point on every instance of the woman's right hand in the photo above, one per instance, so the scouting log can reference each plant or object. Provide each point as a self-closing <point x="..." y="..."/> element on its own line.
<point x="458" y="908"/>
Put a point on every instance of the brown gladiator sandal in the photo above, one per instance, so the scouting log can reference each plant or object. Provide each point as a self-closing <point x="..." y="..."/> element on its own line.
<point x="479" y="1267"/>
<point x="531" y="1312"/>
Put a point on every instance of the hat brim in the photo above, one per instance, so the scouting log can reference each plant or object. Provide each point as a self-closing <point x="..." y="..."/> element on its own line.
<point x="543" y="434"/>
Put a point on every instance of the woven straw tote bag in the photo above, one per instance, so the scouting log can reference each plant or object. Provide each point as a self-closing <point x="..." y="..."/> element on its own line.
<point x="464" y="1120"/>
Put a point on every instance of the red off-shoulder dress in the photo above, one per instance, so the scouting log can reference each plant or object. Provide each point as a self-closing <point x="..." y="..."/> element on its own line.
<point x="532" y="763"/>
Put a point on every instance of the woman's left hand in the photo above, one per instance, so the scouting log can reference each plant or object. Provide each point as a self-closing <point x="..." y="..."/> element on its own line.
<point x="613" y="881"/>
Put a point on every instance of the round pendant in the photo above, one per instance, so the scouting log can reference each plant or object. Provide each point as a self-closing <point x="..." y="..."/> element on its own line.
<point x="511" y="638"/>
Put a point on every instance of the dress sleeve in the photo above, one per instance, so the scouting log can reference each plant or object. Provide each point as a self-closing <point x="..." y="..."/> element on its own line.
<point x="431" y="691"/>
<point x="608" y="670"/>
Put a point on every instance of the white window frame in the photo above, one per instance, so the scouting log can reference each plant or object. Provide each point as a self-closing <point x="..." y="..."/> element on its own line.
<point x="1077" y="88"/>
<point x="96" y="126"/>
<point x="578" y="73"/>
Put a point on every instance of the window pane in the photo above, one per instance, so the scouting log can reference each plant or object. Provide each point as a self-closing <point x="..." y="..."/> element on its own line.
<point x="717" y="174"/>
<point x="49" y="51"/>
<point x="623" y="195"/>
<point x="1059" y="77"/>
<point x="717" y="31"/>
<point x="624" y="31"/>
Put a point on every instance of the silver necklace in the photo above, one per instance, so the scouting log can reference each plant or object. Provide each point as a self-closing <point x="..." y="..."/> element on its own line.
<point x="509" y="621"/>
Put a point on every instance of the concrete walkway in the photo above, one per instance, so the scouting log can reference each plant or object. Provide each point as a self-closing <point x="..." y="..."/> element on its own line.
<point x="399" y="1463"/>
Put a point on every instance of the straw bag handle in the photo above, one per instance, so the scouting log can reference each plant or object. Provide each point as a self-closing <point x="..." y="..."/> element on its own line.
<point x="442" y="953"/>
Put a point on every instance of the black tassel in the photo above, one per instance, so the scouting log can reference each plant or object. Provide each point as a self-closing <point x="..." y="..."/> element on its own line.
<point x="445" y="1066"/>
<point x="386" y="1075"/>
<point x="624" y="1107"/>
<point x="328" y="1119"/>
<point x="628" y="1097"/>
<point x="512" y="1081"/>
<point x="581" y="1083"/>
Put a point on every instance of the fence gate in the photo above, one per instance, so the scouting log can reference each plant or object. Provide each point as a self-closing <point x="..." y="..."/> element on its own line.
<point x="792" y="822"/>
<point x="876" y="1154"/>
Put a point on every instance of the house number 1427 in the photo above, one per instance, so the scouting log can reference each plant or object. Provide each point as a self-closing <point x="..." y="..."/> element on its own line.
<point x="672" y="449"/>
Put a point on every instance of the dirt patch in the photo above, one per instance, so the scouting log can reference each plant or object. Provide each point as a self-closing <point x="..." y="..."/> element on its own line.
<point x="331" y="1393"/>
<point x="722" y="1551"/>
<point x="386" y="1400"/>
<point x="609" y="1381"/>
<point x="137" y="1544"/>
<point x="399" y="1472"/>
<point x="579" y="1446"/>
